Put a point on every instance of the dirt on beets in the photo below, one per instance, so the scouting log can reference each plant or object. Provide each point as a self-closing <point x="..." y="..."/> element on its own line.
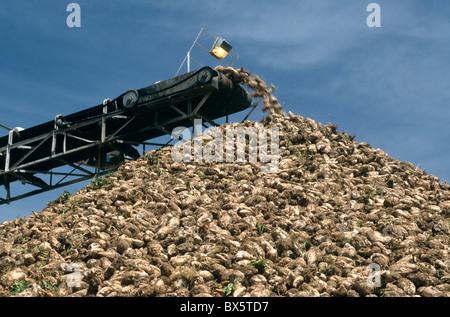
<point x="338" y="218"/>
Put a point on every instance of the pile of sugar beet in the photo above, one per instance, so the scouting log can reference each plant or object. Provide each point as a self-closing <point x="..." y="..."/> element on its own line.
<point x="338" y="218"/>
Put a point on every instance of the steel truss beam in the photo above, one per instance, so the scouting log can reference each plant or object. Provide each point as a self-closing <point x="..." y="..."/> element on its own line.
<point x="23" y="170"/>
<point x="97" y="141"/>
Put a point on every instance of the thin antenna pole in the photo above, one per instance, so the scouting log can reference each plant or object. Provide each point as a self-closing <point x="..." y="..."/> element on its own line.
<point x="189" y="61"/>
<point x="187" y="58"/>
<point x="5" y="127"/>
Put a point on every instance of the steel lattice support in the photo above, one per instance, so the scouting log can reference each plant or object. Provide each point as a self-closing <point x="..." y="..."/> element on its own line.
<point x="98" y="140"/>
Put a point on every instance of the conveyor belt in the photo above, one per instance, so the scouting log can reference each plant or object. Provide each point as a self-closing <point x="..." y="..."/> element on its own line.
<point x="89" y="137"/>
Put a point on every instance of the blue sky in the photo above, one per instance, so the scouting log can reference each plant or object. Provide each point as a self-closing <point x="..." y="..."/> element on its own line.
<point x="389" y="86"/>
